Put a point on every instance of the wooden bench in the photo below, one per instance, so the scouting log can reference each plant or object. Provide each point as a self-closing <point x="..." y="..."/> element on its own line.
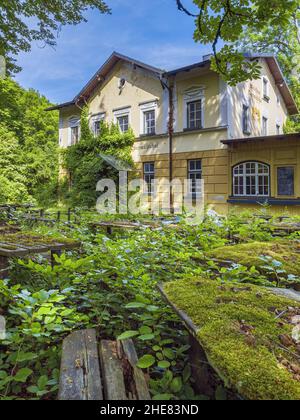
<point x="100" y="372"/>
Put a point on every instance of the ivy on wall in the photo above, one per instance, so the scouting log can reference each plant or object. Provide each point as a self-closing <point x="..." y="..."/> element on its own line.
<point x="84" y="164"/>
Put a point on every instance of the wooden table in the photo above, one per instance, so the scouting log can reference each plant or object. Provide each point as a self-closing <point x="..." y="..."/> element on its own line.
<point x="111" y="226"/>
<point x="20" y="245"/>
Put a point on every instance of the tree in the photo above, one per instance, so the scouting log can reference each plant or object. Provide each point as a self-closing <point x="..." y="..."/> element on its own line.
<point x="18" y="30"/>
<point x="274" y="25"/>
<point x="29" y="163"/>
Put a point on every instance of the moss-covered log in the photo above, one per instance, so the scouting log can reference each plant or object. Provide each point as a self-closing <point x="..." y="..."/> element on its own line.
<point x="246" y="333"/>
<point x="249" y="254"/>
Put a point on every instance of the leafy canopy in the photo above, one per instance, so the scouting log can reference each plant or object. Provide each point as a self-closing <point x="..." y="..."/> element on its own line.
<point x="272" y="25"/>
<point x="25" y="21"/>
<point x="28" y="145"/>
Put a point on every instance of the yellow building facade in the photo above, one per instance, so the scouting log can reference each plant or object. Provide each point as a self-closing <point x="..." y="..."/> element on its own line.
<point x="189" y="124"/>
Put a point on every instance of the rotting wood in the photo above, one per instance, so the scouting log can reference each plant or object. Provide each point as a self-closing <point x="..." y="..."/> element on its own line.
<point x="112" y="371"/>
<point x="80" y="371"/>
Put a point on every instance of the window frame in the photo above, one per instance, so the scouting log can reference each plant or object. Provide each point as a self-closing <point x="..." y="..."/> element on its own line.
<point x="121" y="113"/>
<point x="188" y="117"/>
<point x="150" y="174"/>
<point x="74" y="123"/>
<point x="194" y="172"/>
<point x="246" y="112"/>
<point x="244" y="176"/>
<point x="144" y="109"/>
<point x="99" y="118"/>
<point x="266" y="88"/>
<point x="193" y="94"/>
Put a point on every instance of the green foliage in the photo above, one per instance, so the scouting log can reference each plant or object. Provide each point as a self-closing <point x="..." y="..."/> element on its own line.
<point x="265" y="28"/>
<point x="29" y="146"/>
<point x="85" y="165"/>
<point x="18" y="31"/>
<point x="111" y="285"/>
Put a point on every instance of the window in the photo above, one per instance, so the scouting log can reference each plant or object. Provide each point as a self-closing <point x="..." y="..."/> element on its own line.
<point x="266" y="89"/>
<point x="195" y="176"/>
<point x="149" y="122"/>
<point x="122" y="118"/>
<point x="96" y="123"/>
<point x="123" y="122"/>
<point x="251" y="179"/>
<point x="149" y="176"/>
<point x="278" y="129"/>
<point x="74" y="131"/>
<point x="194" y="115"/>
<point x="265" y="126"/>
<point x="246" y="119"/>
<point x="286" y="181"/>
<point x="74" y="135"/>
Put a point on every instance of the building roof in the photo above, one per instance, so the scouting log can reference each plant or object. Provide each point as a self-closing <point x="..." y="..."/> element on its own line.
<point x="280" y="137"/>
<point x="104" y="70"/>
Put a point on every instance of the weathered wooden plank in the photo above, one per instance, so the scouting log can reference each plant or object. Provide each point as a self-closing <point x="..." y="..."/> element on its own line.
<point x="139" y="380"/>
<point x="112" y="371"/>
<point x="80" y="372"/>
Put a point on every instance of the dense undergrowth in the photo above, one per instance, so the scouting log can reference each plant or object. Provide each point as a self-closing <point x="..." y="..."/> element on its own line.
<point x="110" y="284"/>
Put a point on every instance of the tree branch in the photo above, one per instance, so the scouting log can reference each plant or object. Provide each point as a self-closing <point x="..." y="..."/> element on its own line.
<point x="181" y="7"/>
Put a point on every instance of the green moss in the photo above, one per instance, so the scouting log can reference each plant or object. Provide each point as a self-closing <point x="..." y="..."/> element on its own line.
<point x="247" y="363"/>
<point x="249" y="254"/>
<point x="31" y="239"/>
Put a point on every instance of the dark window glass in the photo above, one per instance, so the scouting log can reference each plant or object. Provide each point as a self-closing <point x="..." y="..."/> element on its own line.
<point x="286" y="181"/>
<point x="246" y="119"/>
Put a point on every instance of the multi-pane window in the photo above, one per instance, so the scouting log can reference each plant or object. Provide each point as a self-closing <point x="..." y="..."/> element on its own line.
<point x="195" y="176"/>
<point x="265" y="126"/>
<point x="74" y="134"/>
<point x="246" y="119"/>
<point x="251" y="179"/>
<point x="149" y="176"/>
<point x="149" y="122"/>
<point x="286" y="181"/>
<point x="123" y="121"/>
<point x="194" y="115"/>
<point x="97" y="127"/>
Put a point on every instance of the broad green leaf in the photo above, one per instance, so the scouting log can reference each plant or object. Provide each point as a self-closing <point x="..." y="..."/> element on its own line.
<point x="22" y="375"/>
<point x="176" y="384"/>
<point x="164" y="364"/>
<point x="162" y="397"/>
<point x="146" y="337"/>
<point x="146" y="361"/>
<point x="135" y="305"/>
<point x="128" y="334"/>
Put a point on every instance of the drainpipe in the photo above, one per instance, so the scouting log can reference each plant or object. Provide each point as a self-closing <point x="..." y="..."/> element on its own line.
<point x="170" y="88"/>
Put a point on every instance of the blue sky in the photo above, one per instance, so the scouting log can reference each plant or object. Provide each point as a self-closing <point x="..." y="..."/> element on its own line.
<point x="153" y="31"/>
